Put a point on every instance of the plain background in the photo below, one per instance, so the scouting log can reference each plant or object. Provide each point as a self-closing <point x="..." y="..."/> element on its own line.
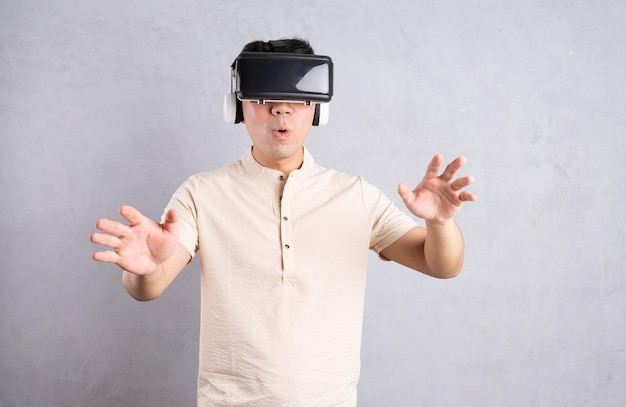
<point x="118" y="102"/>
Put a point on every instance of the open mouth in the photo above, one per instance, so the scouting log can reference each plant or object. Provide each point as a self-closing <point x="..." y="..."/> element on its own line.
<point x="281" y="132"/>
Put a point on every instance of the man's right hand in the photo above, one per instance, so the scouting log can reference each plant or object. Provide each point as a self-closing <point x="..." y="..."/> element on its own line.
<point x="140" y="246"/>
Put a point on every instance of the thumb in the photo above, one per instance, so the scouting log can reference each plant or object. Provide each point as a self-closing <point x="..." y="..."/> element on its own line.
<point x="404" y="191"/>
<point x="171" y="217"/>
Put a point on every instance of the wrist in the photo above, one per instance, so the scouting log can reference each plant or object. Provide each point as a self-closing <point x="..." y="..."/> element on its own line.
<point x="433" y="223"/>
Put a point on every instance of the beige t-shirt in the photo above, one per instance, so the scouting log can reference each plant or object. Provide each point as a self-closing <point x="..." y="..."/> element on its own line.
<point x="284" y="262"/>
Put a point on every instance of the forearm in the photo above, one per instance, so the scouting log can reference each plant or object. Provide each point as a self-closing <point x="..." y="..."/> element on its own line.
<point x="444" y="249"/>
<point x="150" y="286"/>
<point x="144" y="287"/>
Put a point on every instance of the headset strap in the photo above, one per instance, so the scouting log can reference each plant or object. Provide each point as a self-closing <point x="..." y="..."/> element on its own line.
<point x="278" y="46"/>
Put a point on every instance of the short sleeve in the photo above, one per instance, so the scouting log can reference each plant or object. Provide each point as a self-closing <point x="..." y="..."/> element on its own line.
<point x="184" y="202"/>
<point x="387" y="221"/>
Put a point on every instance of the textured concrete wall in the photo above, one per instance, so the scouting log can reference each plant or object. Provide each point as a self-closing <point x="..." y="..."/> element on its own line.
<point x="106" y="103"/>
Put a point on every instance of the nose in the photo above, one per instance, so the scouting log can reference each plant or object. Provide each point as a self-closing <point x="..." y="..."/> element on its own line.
<point x="281" y="108"/>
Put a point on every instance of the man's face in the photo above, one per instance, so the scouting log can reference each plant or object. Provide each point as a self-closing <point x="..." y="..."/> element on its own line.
<point x="278" y="131"/>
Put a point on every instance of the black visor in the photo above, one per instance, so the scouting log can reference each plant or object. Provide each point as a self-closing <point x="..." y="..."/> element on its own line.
<point x="283" y="76"/>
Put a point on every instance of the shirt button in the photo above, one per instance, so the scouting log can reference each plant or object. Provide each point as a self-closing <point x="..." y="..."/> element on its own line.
<point x="286" y="246"/>
<point x="282" y="177"/>
<point x="285" y="218"/>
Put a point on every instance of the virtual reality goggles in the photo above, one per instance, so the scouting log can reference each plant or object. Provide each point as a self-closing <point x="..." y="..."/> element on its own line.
<point x="280" y="76"/>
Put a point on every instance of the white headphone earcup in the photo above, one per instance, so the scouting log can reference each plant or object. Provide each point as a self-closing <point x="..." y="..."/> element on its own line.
<point x="324" y="109"/>
<point x="230" y="108"/>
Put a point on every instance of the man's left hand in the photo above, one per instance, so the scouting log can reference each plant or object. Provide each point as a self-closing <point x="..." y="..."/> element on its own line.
<point x="438" y="198"/>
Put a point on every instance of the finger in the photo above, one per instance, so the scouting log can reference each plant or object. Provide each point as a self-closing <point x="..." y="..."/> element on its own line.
<point x="404" y="191"/>
<point x="461" y="183"/>
<point x="433" y="167"/>
<point x="132" y="215"/>
<point x="106" y="239"/>
<point x="452" y="169"/>
<point x="467" y="196"/>
<point x="112" y="227"/>
<point x="171" y="217"/>
<point x="107" y="257"/>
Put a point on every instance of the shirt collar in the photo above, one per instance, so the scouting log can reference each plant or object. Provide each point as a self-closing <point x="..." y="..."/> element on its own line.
<point x="252" y="167"/>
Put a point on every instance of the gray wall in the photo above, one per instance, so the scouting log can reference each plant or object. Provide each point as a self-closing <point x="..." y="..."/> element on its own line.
<point x="113" y="102"/>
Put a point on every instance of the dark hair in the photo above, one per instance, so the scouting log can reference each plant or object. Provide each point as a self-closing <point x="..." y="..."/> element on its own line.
<point x="294" y="45"/>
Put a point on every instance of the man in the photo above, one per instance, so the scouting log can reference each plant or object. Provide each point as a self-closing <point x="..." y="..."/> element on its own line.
<point x="284" y="244"/>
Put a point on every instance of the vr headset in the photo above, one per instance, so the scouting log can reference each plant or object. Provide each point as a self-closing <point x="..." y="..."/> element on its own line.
<point x="280" y="76"/>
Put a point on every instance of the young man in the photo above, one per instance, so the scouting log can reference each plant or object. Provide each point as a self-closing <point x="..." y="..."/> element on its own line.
<point x="283" y="248"/>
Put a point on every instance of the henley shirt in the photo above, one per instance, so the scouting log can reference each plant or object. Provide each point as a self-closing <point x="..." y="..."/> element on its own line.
<point x="283" y="268"/>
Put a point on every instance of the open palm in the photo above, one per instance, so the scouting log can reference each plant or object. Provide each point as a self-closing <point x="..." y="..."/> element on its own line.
<point x="438" y="198"/>
<point x="140" y="246"/>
